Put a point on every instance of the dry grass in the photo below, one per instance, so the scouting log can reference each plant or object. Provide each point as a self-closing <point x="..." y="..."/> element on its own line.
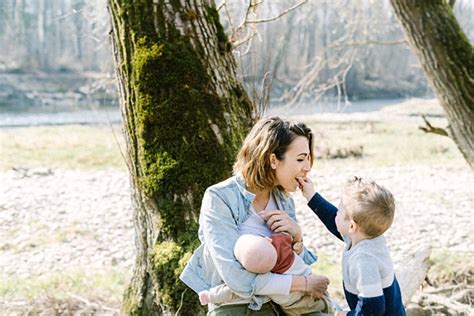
<point x="65" y="147"/>
<point x="64" y="293"/>
<point x="338" y="142"/>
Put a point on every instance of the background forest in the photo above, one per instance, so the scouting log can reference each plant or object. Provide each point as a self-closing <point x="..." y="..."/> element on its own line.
<point x="352" y="49"/>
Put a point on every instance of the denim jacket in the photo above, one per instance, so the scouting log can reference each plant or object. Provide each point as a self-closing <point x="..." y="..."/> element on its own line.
<point x="224" y="207"/>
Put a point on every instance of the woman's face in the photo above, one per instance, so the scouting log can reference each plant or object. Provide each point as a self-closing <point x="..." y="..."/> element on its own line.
<point x="295" y="164"/>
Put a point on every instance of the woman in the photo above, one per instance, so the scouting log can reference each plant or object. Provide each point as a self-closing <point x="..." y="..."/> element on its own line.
<point x="255" y="201"/>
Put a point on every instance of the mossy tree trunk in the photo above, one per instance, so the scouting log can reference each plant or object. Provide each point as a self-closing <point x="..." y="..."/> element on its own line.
<point x="447" y="58"/>
<point x="185" y="115"/>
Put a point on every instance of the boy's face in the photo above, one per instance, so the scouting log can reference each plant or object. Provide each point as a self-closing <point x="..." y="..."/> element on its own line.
<point x="343" y="223"/>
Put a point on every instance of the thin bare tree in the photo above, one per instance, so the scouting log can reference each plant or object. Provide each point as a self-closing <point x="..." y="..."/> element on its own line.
<point x="447" y="58"/>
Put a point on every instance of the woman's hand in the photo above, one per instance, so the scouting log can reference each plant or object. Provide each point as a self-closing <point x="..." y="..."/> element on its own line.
<point x="316" y="285"/>
<point x="306" y="186"/>
<point x="279" y="221"/>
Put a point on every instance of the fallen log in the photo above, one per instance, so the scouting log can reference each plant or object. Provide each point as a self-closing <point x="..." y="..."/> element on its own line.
<point x="412" y="271"/>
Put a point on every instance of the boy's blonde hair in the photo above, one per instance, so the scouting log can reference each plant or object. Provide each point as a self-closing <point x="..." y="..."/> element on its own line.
<point x="269" y="136"/>
<point x="368" y="204"/>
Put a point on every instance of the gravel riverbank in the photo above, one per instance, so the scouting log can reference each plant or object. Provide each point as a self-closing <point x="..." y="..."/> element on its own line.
<point x="55" y="220"/>
<point x="52" y="220"/>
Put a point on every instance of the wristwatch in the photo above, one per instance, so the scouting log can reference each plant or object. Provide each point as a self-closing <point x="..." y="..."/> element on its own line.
<point x="298" y="246"/>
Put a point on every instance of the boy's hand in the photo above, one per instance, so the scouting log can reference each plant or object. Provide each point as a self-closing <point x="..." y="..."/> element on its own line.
<point x="306" y="186"/>
<point x="204" y="297"/>
<point x="341" y="313"/>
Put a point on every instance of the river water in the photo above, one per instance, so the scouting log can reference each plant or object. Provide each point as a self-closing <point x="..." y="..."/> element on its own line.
<point x="11" y="117"/>
<point x="88" y="116"/>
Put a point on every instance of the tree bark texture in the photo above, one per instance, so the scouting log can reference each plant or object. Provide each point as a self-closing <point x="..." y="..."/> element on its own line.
<point x="185" y="115"/>
<point x="447" y="58"/>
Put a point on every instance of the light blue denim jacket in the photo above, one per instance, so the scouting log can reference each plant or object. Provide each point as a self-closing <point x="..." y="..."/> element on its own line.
<point x="224" y="207"/>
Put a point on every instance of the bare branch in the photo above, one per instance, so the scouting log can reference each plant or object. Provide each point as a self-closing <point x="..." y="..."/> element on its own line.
<point x="309" y="80"/>
<point x="246" y="22"/>
<point x="366" y="43"/>
<point x="251" y="7"/>
<point x="223" y="4"/>
<point x="428" y="128"/>
<point x="247" y="40"/>
<point x="264" y="98"/>
<point x="279" y="15"/>
<point x="181" y="302"/>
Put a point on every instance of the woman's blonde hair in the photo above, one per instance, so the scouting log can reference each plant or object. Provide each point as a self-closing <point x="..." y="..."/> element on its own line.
<point x="269" y="136"/>
<point x="368" y="204"/>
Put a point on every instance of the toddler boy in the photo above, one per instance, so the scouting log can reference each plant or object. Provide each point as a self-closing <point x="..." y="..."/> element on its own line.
<point x="366" y="211"/>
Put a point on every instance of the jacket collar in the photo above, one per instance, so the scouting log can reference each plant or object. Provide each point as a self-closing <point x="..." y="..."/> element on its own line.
<point x="249" y="196"/>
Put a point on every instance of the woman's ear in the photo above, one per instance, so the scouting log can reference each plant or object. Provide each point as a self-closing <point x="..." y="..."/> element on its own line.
<point x="273" y="161"/>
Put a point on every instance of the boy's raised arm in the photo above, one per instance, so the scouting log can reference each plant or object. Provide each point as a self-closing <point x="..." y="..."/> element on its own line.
<point x="326" y="213"/>
<point x="325" y="210"/>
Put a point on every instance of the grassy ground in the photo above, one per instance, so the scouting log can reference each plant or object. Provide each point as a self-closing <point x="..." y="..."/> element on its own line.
<point x="65" y="147"/>
<point x="383" y="144"/>
<point x="333" y="271"/>
<point x="106" y="284"/>
<point x="451" y="267"/>
<point x="90" y="147"/>
<point x="61" y="293"/>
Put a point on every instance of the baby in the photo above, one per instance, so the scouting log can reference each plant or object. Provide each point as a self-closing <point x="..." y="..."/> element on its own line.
<point x="261" y="255"/>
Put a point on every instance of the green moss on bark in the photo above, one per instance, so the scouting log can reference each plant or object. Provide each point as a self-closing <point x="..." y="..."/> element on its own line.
<point x="212" y="16"/>
<point x="179" y="153"/>
<point x="169" y="259"/>
<point x="174" y="103"/>
<point x="131" y="305"/>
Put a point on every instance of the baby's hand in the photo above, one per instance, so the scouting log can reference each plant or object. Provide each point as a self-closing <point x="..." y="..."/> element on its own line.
<point x="306" y="187"/>
<point x="341" y="313"/>
<point x="204" y="297"/>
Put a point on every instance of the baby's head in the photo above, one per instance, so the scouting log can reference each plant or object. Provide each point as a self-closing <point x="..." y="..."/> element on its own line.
<point x="255" y="253"/>
<point x="368" y="204"/>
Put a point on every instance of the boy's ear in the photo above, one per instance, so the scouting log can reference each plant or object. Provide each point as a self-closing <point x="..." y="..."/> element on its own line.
<point x="354" y="227"/>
